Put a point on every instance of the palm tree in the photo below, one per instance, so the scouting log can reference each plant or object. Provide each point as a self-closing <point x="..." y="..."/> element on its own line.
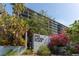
<point x="18" y="8"/>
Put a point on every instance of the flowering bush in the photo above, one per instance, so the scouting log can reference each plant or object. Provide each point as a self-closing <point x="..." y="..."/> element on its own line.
<point x="59" y="40"/>
<point x="57" y="43"/>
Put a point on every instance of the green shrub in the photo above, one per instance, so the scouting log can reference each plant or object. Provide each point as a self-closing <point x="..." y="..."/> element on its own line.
<point x="43" y="51"/>
<point x="27" y="52"/>
<point x="70" y="50"/>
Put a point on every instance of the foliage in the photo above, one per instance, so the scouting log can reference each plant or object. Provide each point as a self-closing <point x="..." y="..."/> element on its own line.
<point x="76" y="48"/>
<point x="39" y="24"/>
<point x="12" y="29"/>
<point x="17" y="25"/>
<point x="74" y="31"/>
<point x="27" y="52"/>
<point x="58" y="43"/>
<point x="18" y="8"/>
<point x="43" y="51"/>
<point x="59" y="40"/>
<point x="69" y="50"/>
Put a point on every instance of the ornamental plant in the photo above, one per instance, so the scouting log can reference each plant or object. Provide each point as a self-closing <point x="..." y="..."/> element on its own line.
<point x="59" y="39"/>
<point x="57" y="43"/>
<point x="12" y="30"/>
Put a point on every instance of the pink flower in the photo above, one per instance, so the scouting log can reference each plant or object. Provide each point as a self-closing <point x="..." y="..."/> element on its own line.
<point x="59" y="39"/>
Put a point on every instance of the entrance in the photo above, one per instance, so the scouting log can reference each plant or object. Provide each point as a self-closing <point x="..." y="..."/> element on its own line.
<point x="30" y="39"/>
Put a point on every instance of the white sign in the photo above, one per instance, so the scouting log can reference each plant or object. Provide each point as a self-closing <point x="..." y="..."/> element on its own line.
<point x="39" y="40"/>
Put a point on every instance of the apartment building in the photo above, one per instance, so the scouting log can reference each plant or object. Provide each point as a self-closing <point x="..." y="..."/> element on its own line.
<point x="55" y="26"/>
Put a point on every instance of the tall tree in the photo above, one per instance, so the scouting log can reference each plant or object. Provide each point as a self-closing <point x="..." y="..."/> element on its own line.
<point x="18" y="8"/>
<point x="12" y="30"/>
<point x="38" y="23"/>
<point x="74" y="31"/>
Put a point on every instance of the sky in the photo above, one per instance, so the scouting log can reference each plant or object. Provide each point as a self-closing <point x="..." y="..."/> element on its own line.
<point x="65" y="13"/>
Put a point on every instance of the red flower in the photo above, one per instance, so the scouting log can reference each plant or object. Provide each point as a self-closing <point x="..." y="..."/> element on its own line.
<point x="59" y="39"/>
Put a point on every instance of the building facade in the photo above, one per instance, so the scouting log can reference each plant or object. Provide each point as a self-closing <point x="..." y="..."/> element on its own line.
<point x="55" y="26"/>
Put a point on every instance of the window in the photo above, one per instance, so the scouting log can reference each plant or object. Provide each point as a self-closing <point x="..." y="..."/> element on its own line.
<point x="24" y="14"/>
